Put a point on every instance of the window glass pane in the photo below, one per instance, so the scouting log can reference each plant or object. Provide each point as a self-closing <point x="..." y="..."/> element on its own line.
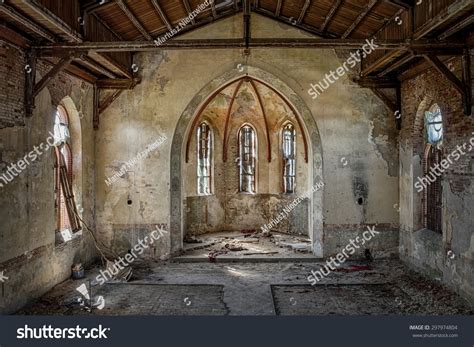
<point x="248" y="159"/>
<point x="434" y="126"/>
<point x="289" y="158"/>
<point x="204" y="164"/>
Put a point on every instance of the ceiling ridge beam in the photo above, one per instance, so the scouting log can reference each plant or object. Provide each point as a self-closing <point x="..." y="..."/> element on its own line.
<point x="303" y="11"/>
<point x="162" y="14"/>
<point x="360" y="18"/>
<point x="123" y="6"/>
<point x="336" y="5"/>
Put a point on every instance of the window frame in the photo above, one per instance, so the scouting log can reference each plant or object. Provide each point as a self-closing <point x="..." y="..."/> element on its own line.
<point x="239" y="148"/>
<point x="211" y="159"/>
<point x="282" y="158"/>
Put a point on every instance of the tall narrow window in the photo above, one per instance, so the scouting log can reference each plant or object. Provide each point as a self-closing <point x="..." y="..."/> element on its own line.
<point x="248" y="159"/>
<point x="289" y="158"/>
<point x="65" y="208"/>
<point x="204" y="164"/>
<point x="432" y="195"/>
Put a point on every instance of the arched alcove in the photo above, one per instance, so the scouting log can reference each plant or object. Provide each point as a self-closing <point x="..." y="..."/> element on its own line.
<point x="186" y="125"/>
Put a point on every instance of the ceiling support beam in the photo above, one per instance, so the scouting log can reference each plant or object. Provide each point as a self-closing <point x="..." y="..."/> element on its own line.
<point x="134" y="19"/>
<point x="457" y="27"/>
<point x="453" y="11"/>
<point x="404" y="60"/>
<point x="375" y="82"/>
<point x="330" y="15"/>
<point x="303" y="11"/>
<point x="51" y="74"/>
<point x="18" y="17"/>
<point x="213" y="9"/>
<point x="360" y="18"/>
<point x="135" y="46"/>
<point x="109" y="100"/>
<point x="93" y="65"/>
<point x="117" y="83"/>
<point x="188" y="10"/>
<point x="45" y="14"/>
<point x="162" y="14"/>
<point x="463" y="86"/>
<point x="278" y="8"/>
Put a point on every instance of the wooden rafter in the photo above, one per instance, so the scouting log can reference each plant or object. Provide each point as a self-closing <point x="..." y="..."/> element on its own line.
<point x="117" y="83"/>
<point x="134" y="19"/>
<point x="213" y="9"/>
<point x="450" y="12"/>
<point x="45" y="14"/>
<point x="12" y="37"/>
<point x="94" y="66"/>
<point x="18" y="17"/>
<point x="360" y="18"/>
<point x="161" y="13"/>
<point x="306" y="5"/>
<point x="336" y="5"/>
<point x="392" y="67"/>
<point x="457" y="27"/>
<point x="188" y="9"/>
<point x="278" y="8"/>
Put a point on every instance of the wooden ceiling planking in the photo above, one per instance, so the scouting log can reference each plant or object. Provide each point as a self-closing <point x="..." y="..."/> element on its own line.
<point x="175" y="10"/>
<point x="119" y="22"/>
<point x="23" y="30"/>
<point x="270" y="5"/>
<point x="316" y="13"/>
<point x="147" y="16"/>
<point x="292" y="9"/>
<point x="194" y="4"/>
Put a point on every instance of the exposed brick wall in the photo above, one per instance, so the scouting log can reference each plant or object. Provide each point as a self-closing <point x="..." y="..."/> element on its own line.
<point x="12" y="81"/>
<point x="430" y="88"/>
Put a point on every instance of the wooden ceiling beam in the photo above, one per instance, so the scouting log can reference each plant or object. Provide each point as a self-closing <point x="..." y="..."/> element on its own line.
<point x="135" y="46"/>
<point x="360" y="18"/>
<point x="123" y="6"/>
<point x="52" y="19"/>
<point x="27" y="23"/>
<point x="457" y="27"/>
<point x="336" y="5"/>
<point x="406" y="59"/>
<point x="161" y="14"/>
<point x="93" y="65"/>
<point x="303" y="11"/>
<point x="278" y="8"/>
<point x="12" y="37"/>
<point x="109" y="100"/>
<point x="213" y="9"/>
<point x="450" y="13"/>
<point x="117" y="83"/>
<point x="188" y="9"/>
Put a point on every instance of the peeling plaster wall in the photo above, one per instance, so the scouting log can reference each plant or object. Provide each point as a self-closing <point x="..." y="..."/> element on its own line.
<point x="29" y="256"/>
<point x="448" y="257"/>
<point x="358" y="134"/>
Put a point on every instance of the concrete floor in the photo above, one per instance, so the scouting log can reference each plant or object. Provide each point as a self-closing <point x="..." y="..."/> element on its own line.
<point x="264" y="288"/>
